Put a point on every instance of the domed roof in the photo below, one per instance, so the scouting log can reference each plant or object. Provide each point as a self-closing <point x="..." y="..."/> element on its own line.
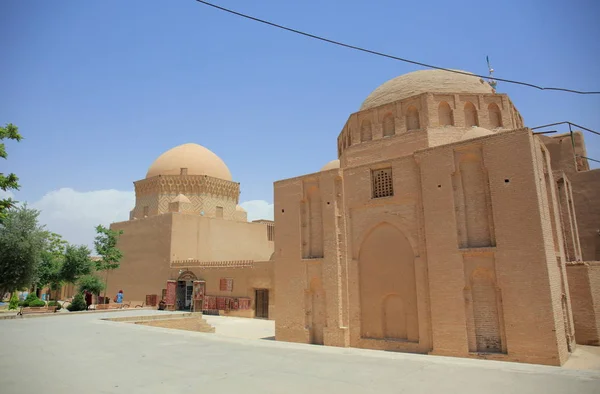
<point x="197" y="159"/>
<point x="476" y="132"/>
<point x="331" y="165"/>
<point x="181" y="199"/>
<point x="423" y="81"/>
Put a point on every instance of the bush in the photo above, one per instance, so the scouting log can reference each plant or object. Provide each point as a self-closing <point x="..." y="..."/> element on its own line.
<point x="56" y="304"/>
<point x="30" y="298"/>
<point x="78" y="303"/>
<point x="14" y="301"/>
<point x="36" y="303"/>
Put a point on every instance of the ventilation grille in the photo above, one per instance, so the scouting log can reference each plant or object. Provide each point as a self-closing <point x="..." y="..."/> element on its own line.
<point x="383" y="185"/>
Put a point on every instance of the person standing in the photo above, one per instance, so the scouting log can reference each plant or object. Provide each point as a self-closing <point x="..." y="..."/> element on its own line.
<point x="119" y="297"/>
<point x="88" y="300"/>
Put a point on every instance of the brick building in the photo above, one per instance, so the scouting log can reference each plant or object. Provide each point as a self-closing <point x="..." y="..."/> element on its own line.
<point x="441" y="228"/>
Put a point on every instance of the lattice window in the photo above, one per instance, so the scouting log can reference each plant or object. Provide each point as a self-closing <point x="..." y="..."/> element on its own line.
<point x="226" y="284"/>
<point x="382" y="183"/>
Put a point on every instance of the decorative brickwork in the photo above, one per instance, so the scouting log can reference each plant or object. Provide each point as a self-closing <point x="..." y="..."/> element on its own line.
<point x="213" y="264"/>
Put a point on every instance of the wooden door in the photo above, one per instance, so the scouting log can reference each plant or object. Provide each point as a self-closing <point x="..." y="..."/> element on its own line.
<point x="262" y="304"/>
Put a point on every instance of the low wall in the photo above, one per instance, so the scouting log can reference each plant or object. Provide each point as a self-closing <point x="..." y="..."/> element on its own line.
<point x="584" y="286"/>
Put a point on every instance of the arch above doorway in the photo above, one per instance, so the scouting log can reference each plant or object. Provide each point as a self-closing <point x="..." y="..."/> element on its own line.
<point x="187" y="275"/>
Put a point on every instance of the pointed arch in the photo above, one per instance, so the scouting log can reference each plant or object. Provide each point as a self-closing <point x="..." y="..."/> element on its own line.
<point x="412" y="118"/>
<point x="389" y="125"/>
<point x="471" y="118"/>
<point x="387" y="285"/>
<point x="445" y="115"/>
<point x="365" y="131"/>
<point x="495" y="116"/>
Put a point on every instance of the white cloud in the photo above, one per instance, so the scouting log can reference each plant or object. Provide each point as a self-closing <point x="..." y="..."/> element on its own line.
<point x="258" y="209"/>
<point x="74" y="214"/>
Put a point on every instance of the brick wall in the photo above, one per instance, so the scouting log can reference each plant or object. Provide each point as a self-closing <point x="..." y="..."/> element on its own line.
<point x="584" y="284"/>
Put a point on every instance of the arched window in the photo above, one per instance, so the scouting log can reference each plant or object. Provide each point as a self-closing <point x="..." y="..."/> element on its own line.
<point x="365" y="131"/>
<point x="495" y="116"/>
<point x="470" y="115"/>
<point x="389" y="125"/>
<point x="412" y="119"/>
<point x="446" y="118"/>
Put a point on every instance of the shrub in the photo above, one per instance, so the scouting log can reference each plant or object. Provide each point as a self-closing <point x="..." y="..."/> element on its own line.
<point x="78" y="303"/>
<point x="14" y="301"/>
<point x="56" y="304"/>
<point x="30" y="298"/>
<point x="36" y="303"/>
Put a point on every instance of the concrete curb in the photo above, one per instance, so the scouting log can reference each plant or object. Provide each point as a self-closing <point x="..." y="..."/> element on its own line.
<point x="31" y="316"/>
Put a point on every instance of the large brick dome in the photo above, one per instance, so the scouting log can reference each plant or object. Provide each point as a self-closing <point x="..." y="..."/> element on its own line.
<point x="194" y="158"/>
<point x="424" y="81"/>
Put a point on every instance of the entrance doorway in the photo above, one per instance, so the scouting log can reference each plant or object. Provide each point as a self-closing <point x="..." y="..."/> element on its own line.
<point x="185" y="288"/>
<point x="261" y="302"/>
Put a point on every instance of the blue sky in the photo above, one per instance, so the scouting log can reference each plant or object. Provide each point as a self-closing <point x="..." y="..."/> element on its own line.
<point x="99" y="89"/>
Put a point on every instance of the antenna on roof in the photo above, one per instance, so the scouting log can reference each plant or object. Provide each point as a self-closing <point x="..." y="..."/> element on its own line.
<point x="491" y="79"/>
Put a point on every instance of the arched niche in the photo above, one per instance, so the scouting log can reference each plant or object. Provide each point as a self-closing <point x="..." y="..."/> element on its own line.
<point x="471" y="118"/>
<point x="495" y="116"/>
<point x="387" y="285"/>
<point x="389" y="125"/>
<point x="412" y="118"/>
<point x="445" y="115"/>
<point x="365" y="131"/>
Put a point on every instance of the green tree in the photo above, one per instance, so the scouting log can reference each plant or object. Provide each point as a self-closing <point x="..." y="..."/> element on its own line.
<point x="49" y="270"/>
<point x="91" y="283"/>
<point x="22" y="241"/>
<point x="106" y="248"/>
<point x="9" y="181"/>
<point x="76" y="263"/>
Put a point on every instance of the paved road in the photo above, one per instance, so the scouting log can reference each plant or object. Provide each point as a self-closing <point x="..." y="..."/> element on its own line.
<point x="83" y="354"/>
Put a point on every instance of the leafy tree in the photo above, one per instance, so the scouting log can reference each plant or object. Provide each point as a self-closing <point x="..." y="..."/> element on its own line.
<point x="10" y="181"/>
<point x="76" y="263"/>
<point x="49" y="270"/>
<point x="106" y="248"/>
<point x="22" y="241"/>
<point x="91" y="283"/>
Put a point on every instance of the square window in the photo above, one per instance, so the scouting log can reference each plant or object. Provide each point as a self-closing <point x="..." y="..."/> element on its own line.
<point x="382" y="183"/>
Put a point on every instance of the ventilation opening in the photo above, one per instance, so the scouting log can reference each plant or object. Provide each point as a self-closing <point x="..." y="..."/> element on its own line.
<point x="382" y="183"/>
<point x="507" y="181"/>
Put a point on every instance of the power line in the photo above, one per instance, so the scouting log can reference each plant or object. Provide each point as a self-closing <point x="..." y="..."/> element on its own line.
<point x="381" y="53"/>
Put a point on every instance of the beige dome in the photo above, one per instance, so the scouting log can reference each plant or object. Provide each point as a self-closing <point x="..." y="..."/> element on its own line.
<point x="181" y="199"/>
<point x="331" y="165"/>
<point x="423" y="81"/>
<point x="476" y="132"/>
<point x="197" y="159"/>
